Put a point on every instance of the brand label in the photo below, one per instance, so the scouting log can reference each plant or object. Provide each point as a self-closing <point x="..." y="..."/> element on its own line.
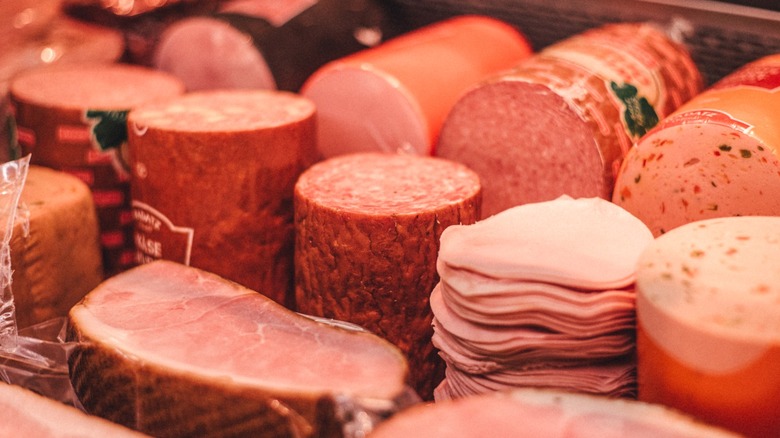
<point x="72" y="134"/>
<point x="634" y="86"/>
<point x="705" y="116"/>
<point x="156" y="237"/>
<point x="108" y="135"/>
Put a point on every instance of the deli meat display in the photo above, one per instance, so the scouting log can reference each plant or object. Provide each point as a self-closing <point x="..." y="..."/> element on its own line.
<point x="390" y="218"/>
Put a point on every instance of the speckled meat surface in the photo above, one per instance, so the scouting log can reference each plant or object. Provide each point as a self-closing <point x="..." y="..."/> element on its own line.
<point x="368" y="228"/>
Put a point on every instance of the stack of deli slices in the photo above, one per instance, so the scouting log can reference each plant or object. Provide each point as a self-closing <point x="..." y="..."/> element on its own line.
<point x="540" y="295"/>
<point x="535" y="413"/>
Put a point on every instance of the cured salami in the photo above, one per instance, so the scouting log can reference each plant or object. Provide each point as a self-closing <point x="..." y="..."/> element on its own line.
<point x="539" y="295"/>
<point x="560" y="122"/>
<point x="543" y="413"/>
<point x="268" y="45"/>
<point x="394" y="97"/>
<point x="72" y="118"/>
<point x="171" y="350"/>
<point x="367" y="235"/>
<point x="213" y="182"/>
<point x="708" y="322"/>
<point x="716" y="156"/>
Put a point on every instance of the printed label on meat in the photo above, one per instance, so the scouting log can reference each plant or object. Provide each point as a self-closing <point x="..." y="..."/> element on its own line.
<point x="108" y="135"/>
<point x="636" y="87"/>
<point x="156" y="237"/>
<point x="706" y="116"/>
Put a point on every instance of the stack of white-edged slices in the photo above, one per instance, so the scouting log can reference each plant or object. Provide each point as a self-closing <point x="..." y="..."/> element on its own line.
<point x="540" y="295"/>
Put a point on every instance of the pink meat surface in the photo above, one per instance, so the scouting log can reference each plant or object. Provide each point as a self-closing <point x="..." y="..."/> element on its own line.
<point x="186" y="319"/>
<point x="542" y="413"/>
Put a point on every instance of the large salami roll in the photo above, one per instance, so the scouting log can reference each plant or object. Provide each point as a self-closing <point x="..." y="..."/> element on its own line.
<point x="72" y="118"/>
<point x="561" y="122"/>
<point x="708" y="322"/>
<point x="213" y="182"/>
<point x="716" y="156"/>
<point x="367" y="237"/>
<point x="394" y="97"/>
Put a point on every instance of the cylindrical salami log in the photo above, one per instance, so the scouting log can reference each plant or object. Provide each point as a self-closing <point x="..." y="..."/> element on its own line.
<point x="561" y="122"/>
<point x="268" y="44"/>
<point x="716" y="156"/>
<point x="213" y="177"/>
<point x="394" y="97"/>
<point x="708" y="322"/>
<point x="55" y="247"/>
<point x="367" y="237"/>
<point x="72" y="118"/>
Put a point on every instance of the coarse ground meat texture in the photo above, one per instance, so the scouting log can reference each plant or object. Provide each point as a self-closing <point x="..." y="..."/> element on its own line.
<point x="367" y="239"/>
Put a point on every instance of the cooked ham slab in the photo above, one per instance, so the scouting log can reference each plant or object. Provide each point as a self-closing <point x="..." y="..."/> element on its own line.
<point x="175" y="351"/>
<point x="24" y="413"/>
<point x="543" y="413"/>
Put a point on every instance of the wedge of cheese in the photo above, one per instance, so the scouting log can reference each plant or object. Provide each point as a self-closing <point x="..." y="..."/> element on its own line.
<point x="55" y="249"/>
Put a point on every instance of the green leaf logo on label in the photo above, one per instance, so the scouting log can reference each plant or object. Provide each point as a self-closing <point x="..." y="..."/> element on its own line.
<point x="639" y="115"/>
<point x="109" y="128"/>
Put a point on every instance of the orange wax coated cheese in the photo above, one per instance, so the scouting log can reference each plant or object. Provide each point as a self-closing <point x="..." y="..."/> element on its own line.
<point x="708" y="317"/>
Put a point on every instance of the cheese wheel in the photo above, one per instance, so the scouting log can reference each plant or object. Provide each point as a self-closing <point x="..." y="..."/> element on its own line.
<point x="213" y="182"/>
<point x="55" y="250"/>
<point x="367" y="235"/>
<point x="394" y="97"/>
<point x="560" y="122"/>
<point x="716" y="156"/>
<point x="72" y="118"/>
<point x="708" y="311"/>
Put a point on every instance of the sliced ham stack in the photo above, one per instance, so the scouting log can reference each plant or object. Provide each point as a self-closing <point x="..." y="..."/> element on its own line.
<point x="540" y="295"/>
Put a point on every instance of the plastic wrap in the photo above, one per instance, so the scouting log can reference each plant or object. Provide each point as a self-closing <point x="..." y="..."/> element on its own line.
<point x="35" y="357"/>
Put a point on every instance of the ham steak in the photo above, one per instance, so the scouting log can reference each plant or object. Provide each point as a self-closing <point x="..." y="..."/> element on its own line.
<point x="172" y="350"/>
<point x="25" y="413"/>
<point x="543" y="413"/>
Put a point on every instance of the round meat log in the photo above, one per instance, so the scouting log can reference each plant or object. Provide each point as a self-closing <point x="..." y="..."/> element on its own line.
<point x="73" y="118"/>
<point x="394" y="97"/>
<point x="213" y="182"/>
<point x="708" y="322"/>
<point x="561" y="122"/>
<point x="268" y="45"/>
<point x="367" y="237"/>
<point x="716" y="156"/>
